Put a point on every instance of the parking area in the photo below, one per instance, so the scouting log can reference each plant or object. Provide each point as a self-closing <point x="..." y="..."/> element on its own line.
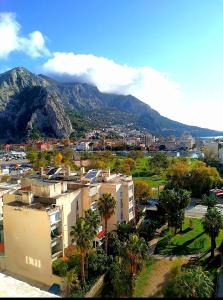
<point x="199" y="211"/>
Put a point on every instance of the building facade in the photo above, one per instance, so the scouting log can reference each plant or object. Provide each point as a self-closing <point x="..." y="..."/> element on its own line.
<point x="37" y="217"/>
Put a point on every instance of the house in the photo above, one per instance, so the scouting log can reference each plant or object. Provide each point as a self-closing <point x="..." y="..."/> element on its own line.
<point x="43" y="146"/>
<point x="83" y="146"/>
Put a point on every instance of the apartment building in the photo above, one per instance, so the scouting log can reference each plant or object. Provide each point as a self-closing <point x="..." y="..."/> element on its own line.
<point x="122" y="189"/>
<point x="36" y="223"/>
<point x="37" y="217"/>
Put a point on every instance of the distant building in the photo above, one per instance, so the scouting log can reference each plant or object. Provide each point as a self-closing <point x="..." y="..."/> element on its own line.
<point x="187" y="141"/>
<point x="43" y="146"/>
<point x="83" y="146"/>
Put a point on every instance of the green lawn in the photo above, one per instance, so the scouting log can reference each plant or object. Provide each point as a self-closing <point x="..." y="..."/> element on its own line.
<point x="189" y="242"/>
<point x="153" y="181"/>
<point x="143" y="278"/>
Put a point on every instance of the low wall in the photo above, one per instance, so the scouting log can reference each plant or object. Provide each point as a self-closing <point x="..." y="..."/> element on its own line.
<point x="95" y="288"/>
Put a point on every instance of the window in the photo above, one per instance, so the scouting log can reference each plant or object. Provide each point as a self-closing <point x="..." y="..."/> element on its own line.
<point x="55" y="217"/>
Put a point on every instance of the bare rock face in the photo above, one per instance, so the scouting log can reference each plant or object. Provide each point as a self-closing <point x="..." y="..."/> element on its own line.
<point x="51" y="117"/>
<point x="26" y="102"/>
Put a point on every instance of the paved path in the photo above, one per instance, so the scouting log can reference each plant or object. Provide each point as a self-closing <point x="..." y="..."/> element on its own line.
<point x="14" y="162"/>
<point x="152" y="244"/>
<point x="159" y="278"/>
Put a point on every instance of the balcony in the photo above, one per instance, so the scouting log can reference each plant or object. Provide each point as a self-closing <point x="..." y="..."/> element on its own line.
<point x="56" y="248"/>
<point x="55" y="217"/>
<point x="131" y="216"/>
<point x="55" y="240"/>
<point x="56" y="255"/>
<point x="131" y="204"/>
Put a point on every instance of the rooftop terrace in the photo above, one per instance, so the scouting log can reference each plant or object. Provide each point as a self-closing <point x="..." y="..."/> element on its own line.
<point x="34" y="205"/>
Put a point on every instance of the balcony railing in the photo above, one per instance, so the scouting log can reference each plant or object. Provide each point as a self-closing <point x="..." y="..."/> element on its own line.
<point x="56" y="255"/>
<point x="131" y="204"/>
<point x="55" y="240"/>
<point x="131" y="216"/>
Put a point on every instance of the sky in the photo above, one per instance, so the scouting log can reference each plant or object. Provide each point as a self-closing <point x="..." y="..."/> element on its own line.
<point x="167" y="53"/>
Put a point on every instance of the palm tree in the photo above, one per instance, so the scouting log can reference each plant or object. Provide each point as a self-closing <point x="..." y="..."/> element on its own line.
<point x="71" y="282"/>
<point x="106" y="207"/>
<point x="209" y="201"/>
<point x="82" y="235"/>
<point x="135" y="252"/>
<point x="93" y="220"/>
<point x="212" y="223"/>
<point x="124" y="229"/>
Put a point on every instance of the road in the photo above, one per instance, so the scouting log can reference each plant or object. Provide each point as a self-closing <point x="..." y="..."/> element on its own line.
<point x="14" y="162"/>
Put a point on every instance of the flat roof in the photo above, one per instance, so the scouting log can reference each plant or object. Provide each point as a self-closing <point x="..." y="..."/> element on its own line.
<point x="34" y="205"/>
<point x="11" y="287"/>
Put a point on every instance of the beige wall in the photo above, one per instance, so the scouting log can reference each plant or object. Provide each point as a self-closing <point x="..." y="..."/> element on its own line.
<point x="111" y="188"/>
<point x="121" y="192"/>
<point x="69" y="203"/>
<point x="27" y="243"/>
<point x="127" y="193"/>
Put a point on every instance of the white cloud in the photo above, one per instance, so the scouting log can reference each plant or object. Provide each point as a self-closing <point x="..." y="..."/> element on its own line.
<point x="147" y="84"/>
<point x="153" y="87"/>
<point x="11" y="39"/>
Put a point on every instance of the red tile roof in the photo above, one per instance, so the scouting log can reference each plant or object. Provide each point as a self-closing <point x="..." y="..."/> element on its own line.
<point x="100" y="234"/>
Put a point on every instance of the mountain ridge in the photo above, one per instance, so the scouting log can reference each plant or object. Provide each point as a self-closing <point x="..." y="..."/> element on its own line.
<point x="30" y="101"/>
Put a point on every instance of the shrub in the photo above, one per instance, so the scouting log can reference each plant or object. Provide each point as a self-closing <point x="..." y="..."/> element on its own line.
<point x="98" y="264"/>
<point x="60" y="267"/>
<point x="74" y="262"/>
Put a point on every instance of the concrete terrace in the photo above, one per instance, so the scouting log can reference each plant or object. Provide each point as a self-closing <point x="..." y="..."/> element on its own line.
<point x="11" y="287"/>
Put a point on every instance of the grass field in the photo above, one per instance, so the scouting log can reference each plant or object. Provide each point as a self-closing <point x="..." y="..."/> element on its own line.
<point x="153" y="181"/>
<point x="189" y="242"/>
<point x="143" y="278"/>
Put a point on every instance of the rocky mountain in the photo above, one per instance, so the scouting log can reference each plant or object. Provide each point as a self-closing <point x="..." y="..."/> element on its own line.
<point x="57" y="109"/>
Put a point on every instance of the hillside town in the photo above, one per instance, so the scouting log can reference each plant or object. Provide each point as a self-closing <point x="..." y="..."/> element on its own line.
<point x="54" y="190"/>
<point x="111" y="149"/>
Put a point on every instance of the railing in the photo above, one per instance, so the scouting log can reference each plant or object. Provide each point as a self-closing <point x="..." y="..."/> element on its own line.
<point x="131" y="204"/>
<point x="56" y="255"/>
<point x="55" y="240"/>
<point x="131" y="215"/>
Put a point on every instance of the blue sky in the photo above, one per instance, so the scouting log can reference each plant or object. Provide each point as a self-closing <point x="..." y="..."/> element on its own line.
<point x="167" y="53"/>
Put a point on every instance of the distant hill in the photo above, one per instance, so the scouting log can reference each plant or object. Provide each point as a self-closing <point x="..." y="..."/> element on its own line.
<point x="58" y="109"/>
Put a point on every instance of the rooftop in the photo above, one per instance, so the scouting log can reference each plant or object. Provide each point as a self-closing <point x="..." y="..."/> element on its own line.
<point x="11" y="287"/>
<point x="34" y="205"/>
